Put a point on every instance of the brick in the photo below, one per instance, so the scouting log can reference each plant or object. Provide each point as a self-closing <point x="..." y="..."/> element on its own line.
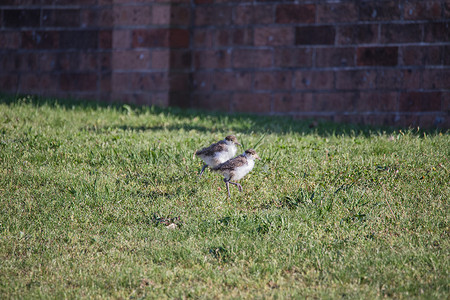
<point x="378" y="119"/>
<point x="47" y="62"/>
<point x="29" y="83"/>
<point x="203" y="38"/>
<point x="180" y="59"/>
<point x="273" y="36"/>
<point x="161" y="14"/>
<point x="8" y="62"/>
<point x="21" y="2"/>
<point x="293" y="57"/>
<point x="179" y="38"/>
<point x="242" y="37"/>
<point x="412" y="79"/>
<point x="253" y="14"/>
<point x="269" y="81"/>
<point x="180" y="15"/>
<point x="377" y="102"/>
<point x="447" y="9"/>
<point x="421" y="55"/>
<point x="202" y="81"/>
<point x="337" y="12"/>
<point x="78" y="82"/>
<point x="252" y="58"/>
<point x="295" y="13"/>
<point x="437" y="32"/>
<point x="105" y="82"/>
<point x="282" y="1"/>
<point x="67" y="61"/>
<point x="232" y="81"/>
<point x="314" y="80"/>
<point x="222" y="37"/>
<point x="377" y="56"/>
<point x="422" y="10"/>
<point x="356" y="79"/>
<point x="357" y="34"/>
<point x="179" y="99"/>
<point x="70" y="2"/>
<point x="150" y="81"/>
<point x="389" y="79"/>
<point x="89" y="18"/>
<point x="436" y="79"/>
<point x="121" y="81"/>
<point x="420" y="101"/>
<point x="121" y="39"/>
<point x="292" y="102"/>
<point x="213" y="15"/>
<point x="212" y="59"/>
<point x="333" y="102"/>
<point x="203" y="1"/>
<point x="105" y="39"/>
<point x="315" y="35"/>
<point x="39" y="39"/>
<point x="446" y="102"/>
<point x="238" y="36"/>
<point x="131" y="60"/>
<point x="251" y="102"/>
<point x="105" y="61"/>
<point x="161" y="59"/>
<point x="9" y="40"/>
<point x="335" y="57"/>
<point x="379" y="10"/>
<point x="19" y="18"/>
<point x="78" y="39"/>
<point x="401" y="33"/>
<point x="446" y="58"/>
<point x="88" y="61"/>
<point x="132" y="15"/>
<point x="9" y="82"/>
<point x="213" y="102"/>
<point x="158" y="37"/>
<point x="48" y="82"/>
<point x="106" y="18"/>
<point x="179" y="81"/>
<point x="61" y="18"/>
<point x="22" y="62"/>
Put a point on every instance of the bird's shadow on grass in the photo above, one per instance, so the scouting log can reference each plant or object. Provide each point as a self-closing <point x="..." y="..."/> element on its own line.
<point x="219" y="121"/>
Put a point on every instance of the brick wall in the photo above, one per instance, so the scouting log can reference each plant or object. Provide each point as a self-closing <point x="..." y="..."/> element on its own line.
<point x="55" y="47"/>
<point x="372" y="62"/>
<point x="112" y="50"/>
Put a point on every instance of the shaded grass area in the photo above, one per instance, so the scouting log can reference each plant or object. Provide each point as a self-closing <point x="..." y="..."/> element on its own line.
<point x="87" y="193"/>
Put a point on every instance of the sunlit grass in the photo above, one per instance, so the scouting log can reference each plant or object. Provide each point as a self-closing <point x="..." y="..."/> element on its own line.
<point x="87" y="192"/>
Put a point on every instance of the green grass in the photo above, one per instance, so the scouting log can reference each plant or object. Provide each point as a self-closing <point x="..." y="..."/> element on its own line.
<point x="333" y="211"/>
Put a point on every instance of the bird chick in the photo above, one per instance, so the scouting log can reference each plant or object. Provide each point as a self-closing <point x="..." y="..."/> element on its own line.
<point x="218" y="153"/>
<point x="236" y="168"/>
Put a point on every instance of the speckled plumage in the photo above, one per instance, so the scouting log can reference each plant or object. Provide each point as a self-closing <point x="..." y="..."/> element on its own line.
<point x="218" y="153"/>
<point x="236" y="168"/>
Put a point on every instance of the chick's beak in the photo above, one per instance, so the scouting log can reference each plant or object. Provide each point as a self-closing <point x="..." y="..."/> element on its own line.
<point x="238" y="144"/>
<point x="257" y="157"/>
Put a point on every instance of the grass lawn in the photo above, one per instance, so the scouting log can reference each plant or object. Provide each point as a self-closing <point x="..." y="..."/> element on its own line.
<point x="334" y="211"/>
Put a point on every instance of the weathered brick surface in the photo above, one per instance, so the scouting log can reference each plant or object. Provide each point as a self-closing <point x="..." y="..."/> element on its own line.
<point x="356" y="34"/>
<point x="377" y="56"/>
<point x="251" y="102"/>
<point x="293" y="13"/>
<point x="374" y="62"/>
<point x="315" y="35"/>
